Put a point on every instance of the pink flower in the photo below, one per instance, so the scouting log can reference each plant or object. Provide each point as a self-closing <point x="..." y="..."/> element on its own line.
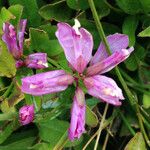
<point x="26" y="114"/>
<point x="45" y="83"/>
<point x="78" y="44"/>
<point x="14" y="42"/>
<point x="77" y="115"/>
<point x="36" y="61"/>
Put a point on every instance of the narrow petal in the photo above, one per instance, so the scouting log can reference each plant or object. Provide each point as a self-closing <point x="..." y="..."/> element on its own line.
<point x="19" y="63"/>
<point x="36" y="61"/>
<point x="116" y="42"/>
<point x="45" y="83"/>
<point x="77" y="45"/>
<point x="10" y="38"/>
<point x="109" y="63"/>
<point x="23" y="23"/>
<point x="77" y="125"/>
<point x="104" y="88"/>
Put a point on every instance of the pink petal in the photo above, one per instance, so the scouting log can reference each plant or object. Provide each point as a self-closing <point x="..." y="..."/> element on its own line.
<point x="104" y="88"/>
<point x="23" y="23"/>
<point x="26" y="114"/>
<point x="116" y="42"/>
<point x="36" y="61"/>
<point x="77" y="125"/>
<point x="77" y="45"/>
<point x="45" y="83"/>
<point x="19" y="63"/>
<point x="109" y="63"/>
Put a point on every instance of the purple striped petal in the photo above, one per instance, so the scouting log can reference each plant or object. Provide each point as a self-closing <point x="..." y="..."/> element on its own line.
<point x="45" y="83"/>
<point x="23" y="23"/>
<point x="109" y="63"/>
<point x="36" y="61"/>
<point x="104" y="88"/>
<point x="77" y="125"/>
<point x="13" y="40"/>
<point x="77" y="45"/>
<point x="26" y="114"/>
<point x="10" y="38"/>
<point x="116" y="42"/>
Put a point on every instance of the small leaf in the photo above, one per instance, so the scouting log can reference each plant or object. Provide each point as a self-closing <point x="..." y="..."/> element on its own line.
<point x="54" y="11"/>
<point x="78" y="4"/>
<point x="129" y="27"/>
<point x="30" y="11"/>
<point x="145" y="33"/>
<point x="7" y="62"/>
<point x="91" y="118"/>
<point x="40" y="42"/>
<point x="136" y="143"/>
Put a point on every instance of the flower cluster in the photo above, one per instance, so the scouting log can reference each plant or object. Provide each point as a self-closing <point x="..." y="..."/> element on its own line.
<point x="78" y="44"/>
<point x="14" y="42"/>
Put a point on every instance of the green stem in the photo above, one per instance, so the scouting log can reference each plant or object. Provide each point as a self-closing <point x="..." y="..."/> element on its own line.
<point x="142" y="126"/>
<point x="126" y="123"/>
<point x="53" y="63"/>
<point x="5" y="95"/>
<point x="100" y="127"/>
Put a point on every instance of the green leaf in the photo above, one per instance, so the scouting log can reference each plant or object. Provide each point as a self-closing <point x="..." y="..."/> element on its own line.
<point x="91" y="118"/>
<point x="53" y="131"/>
<point x="136" y="143"/>
<point x="16" y="10"/>
<point x="78" y="4"/>
<point x="146" y="101"/>
<point x="40" y="42"/>
<point x="30" y="11"/>
<point x="5" y="16"/>
<point x="7" y="62"/>
<point x="40" y="146"/>
<point x="129" y="27"/>
<point x="21" y="144"/>
<point x="145" y="33"/>
<point x="54" y="11"/>
<point x="7" y="131"/>
<point x="130" y="6"/>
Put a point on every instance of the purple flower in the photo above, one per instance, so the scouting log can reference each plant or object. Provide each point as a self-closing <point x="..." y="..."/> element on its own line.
<point x="77" y="115"/>
<point x="13" y="40"/>
<point x="19" y="63"/>
<point x="36" y="61"/>
<point x="77" y="44"/>
<point x="104" y="88"/>
<point x="45" y="83"/>
<point x="26" y="114"/>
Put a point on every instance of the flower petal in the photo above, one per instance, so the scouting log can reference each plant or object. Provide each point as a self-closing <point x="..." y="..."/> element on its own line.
<point x="45" y="83"/>
<point x="77" y="125"/>
<point x="77" y="45"/>
<point x="116" y="42"/>
<point x="36" y="61"/>
<point x="23" y="23"/>
<point x="109" y="63"/>
<point x="9" y="37"/>
<point x="104" y="88"/>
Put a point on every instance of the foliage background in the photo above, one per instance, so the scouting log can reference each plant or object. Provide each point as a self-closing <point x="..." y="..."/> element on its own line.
<point x="49" y="129"/>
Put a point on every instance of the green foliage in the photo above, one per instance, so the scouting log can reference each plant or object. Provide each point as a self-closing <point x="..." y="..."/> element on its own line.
<point x="7" y="62"/>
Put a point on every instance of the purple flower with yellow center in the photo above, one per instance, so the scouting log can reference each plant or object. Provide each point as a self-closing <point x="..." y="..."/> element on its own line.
<point x="26" y="114"/>
<point x="14" y="42"/>
<point x="78" y="45"/>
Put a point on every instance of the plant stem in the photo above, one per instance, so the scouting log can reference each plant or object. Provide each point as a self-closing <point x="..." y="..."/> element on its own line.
<point x="100" y="127"/>
<point x="126" y="123"/>
<point x="142" y="126"/>
<point x="53" y="62"/>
